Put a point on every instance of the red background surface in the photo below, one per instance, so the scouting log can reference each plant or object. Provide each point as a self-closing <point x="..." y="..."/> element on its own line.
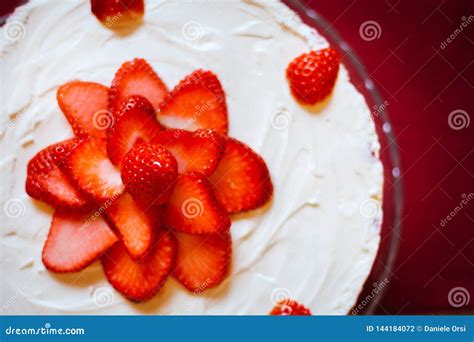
<point x="423" y="84"/>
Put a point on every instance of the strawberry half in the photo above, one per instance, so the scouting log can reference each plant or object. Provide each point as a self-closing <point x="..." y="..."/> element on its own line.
<point x="202" y="261"/>
<point x="134" y="123"/>
<point x="196" y="102"/>
<point x="288" y="307"/>
<point x="241" y="180"/>
<point x="135" y="225"/>
<point x="149" y="172"/>
<point x="117" y="13"/>
<point x="312" y="75"/>
<point x="90" y="167"/>
<point x="136" y="78"/>
<point x="45" y="181"/>
<point x="193" y="208"/>
<point x="85" y="106"/>
<point x="140" y="281"/>
<point x="194" y="151"/>
<point x="74" y="241"/>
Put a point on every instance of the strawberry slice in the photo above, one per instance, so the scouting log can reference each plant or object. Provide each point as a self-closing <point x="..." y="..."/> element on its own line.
<point x="241" y="180"/>
<point x="202" y="261"/>
<point x="194" y="151"/>
<point x="196" y="102"/>
<point x="134" y="123"/>
<point x="85" y="106"/>
<point x="140" y="281"/>
<point x="117" y="13"/>
<point x="136" y="78"/>
<point x="193" y="208"/>
<point x="76" y="240"/>
<point x="45" y="181"/>
<point x="89" y="166"/>
<point x="135" y="225"/>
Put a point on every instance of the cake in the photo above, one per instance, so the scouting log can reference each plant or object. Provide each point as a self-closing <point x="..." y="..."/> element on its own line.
<point x="315" y="241"/>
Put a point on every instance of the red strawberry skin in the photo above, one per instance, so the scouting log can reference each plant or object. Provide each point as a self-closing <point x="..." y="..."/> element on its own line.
<point x="117" y="13"/>
<point x="203" y="261"/>
<point x="193" y="208"/>
<point x="241" y="180"/>
<point x="75" y="240"/>
<point x="288" y="307"/>
<point x="85" y="106"/>
<point x="149" y="173"/>
<point x="93" y="172"/>
<point x="136" y="78"/>
<point x="47" y="182"/>
<point x="194" y="151"/>
<point x="137" y="227"/>
<point x="134" y="123"/>
<point x="140" y="281"/>
<point x="312" y="75"/>
<point x="196" y="102"/>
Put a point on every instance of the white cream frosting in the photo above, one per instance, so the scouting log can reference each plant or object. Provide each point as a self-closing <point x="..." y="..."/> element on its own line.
<point x="315" y="242"/>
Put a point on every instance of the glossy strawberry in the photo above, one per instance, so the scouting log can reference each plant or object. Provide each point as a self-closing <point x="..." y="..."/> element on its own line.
<point x="117" y="13"/>
<point x="140" y="281"/>
<point x="85" y="106"/>
<point x="193" y="209"/>
<point x="149" y="172"/>
<point x="136" y="225"/>
<point x="45" y="180"/>
<point x="93" y="172"/>
<point x="136" y="78"/>
<point x="312" y="75"/>
<point x="135" y="122"/>
<point x="76" y="240"/>
<point x="196" y="102"/>
<point x="202" y="261"/>
<point x="241" y="180"/>
<point x="194" y="151"/>
<point x="288" y="307"/>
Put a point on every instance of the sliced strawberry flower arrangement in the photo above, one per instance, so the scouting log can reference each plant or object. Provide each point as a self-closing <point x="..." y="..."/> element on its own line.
<point x="150" y="192"/>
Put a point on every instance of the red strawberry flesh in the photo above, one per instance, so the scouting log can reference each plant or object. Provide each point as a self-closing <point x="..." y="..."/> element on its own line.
<point x="194" y="151"/>
<point x="75" y="240"/>
<point x="136" y="78"/>
<point x="140" y="281"/>
<point x="134" y="123"/>
<point x="117" y="13"/>
<point x="203" y="261"/>
<point x="241" y="180"/>
<point x="85" y="106"/>
<point x="196" y="102"/>
<point x="193" y="208"/>
<point x="288" y="307"/>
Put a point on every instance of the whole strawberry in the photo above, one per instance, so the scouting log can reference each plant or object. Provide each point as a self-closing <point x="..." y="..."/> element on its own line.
<point x="312" y="75"/>
<point x="149" y="173"/>
<point x="289" y="307"/>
